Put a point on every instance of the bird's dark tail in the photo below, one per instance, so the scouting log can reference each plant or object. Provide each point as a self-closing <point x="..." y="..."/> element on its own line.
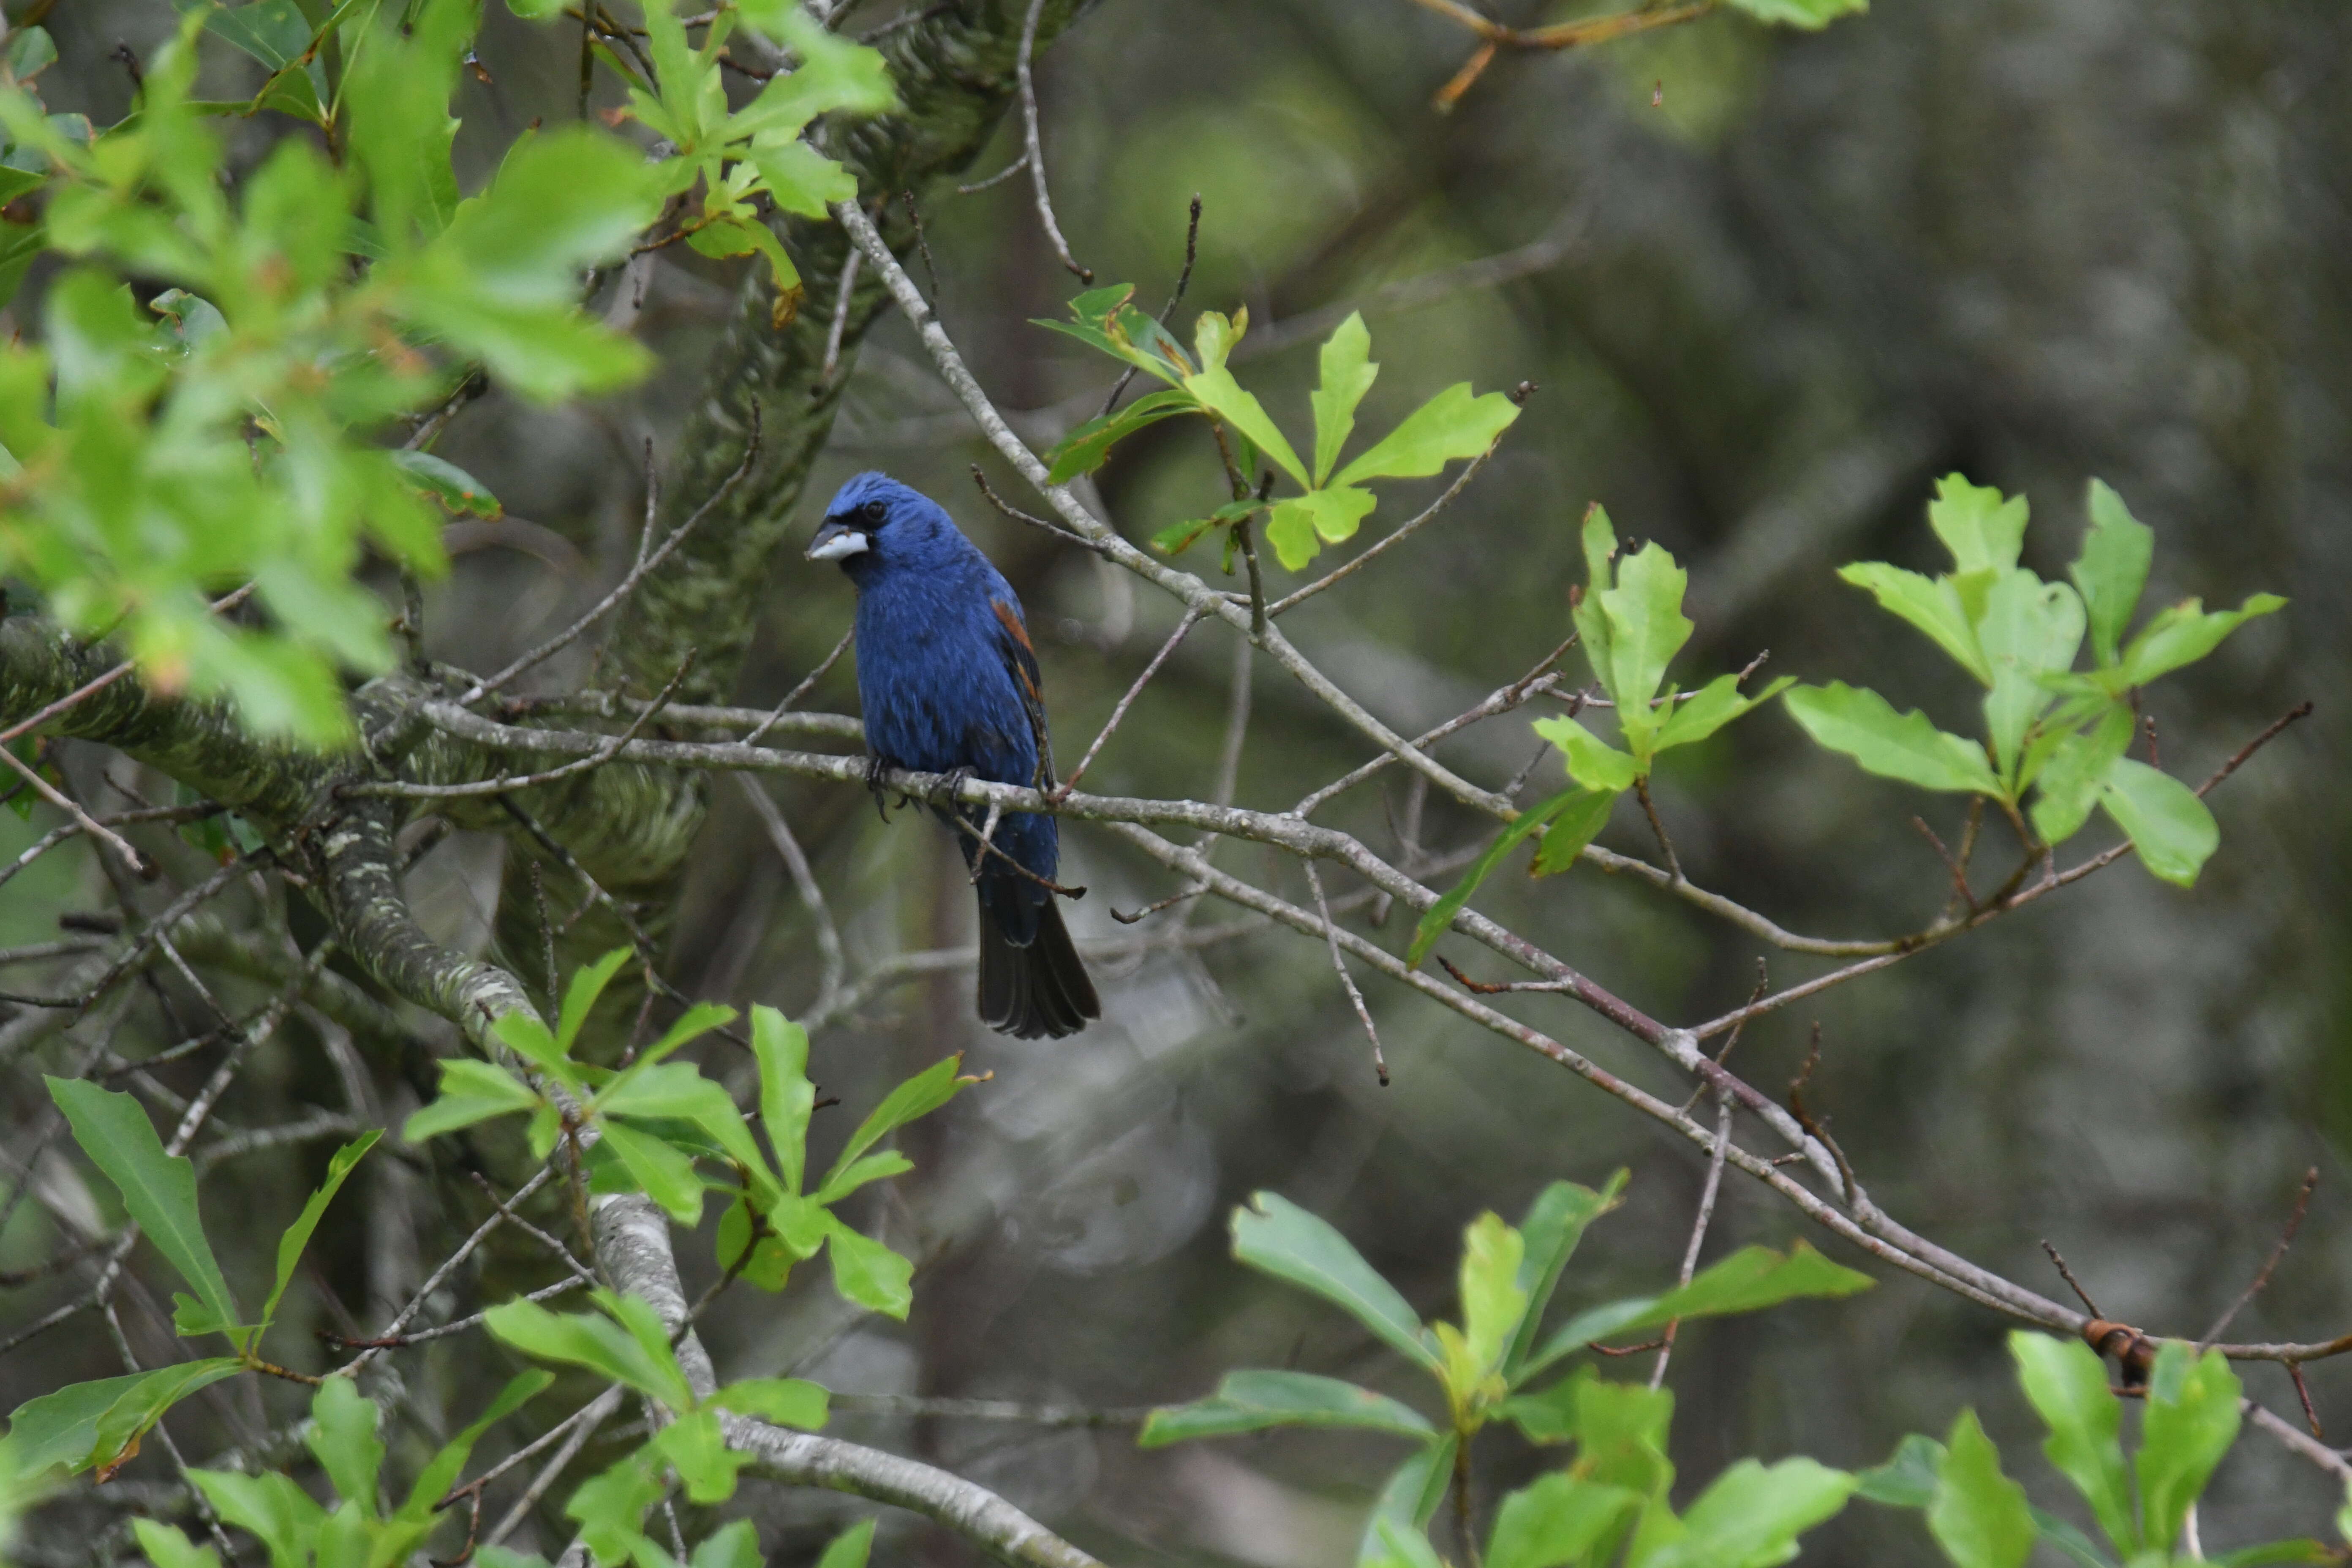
<point x="1037" y="989"/>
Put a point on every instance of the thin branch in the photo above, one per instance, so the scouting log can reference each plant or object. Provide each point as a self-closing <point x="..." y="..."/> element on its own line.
<point x="1183" y="281"/>
<point x="1004" y="1410"/>
<point x="998" y="178"/>
<point x="1184" y="624"/>
<point x="1036" y="155"/>
<point x="401" y="789"/>
<point x="138" y="863"/>
<point x="1355" y="998"/>
<point x="2072" y="1283"/>
<point x="2269" y="1266"/>
<point x="840" y="322"/>
<point x="1698" y="1229"/>
<point x="796" y="862"/>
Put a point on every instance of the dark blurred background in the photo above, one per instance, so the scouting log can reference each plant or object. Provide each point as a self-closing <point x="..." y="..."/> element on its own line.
<point x="1770" y="285"/>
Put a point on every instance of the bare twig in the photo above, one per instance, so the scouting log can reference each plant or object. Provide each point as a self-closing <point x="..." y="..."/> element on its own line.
<point x="138" y="863"/>
<point x="803" y="689"/>
<point x="2269" y="1265"/>
<point x="1184" y="624"/>
<point x="1355" y="998"/>
<point x="2072" y="1283"/>
<point x="796" y="862"/>
<point x="1183" y="281"/>
<point x="1035" y="155"/>
<point x="1698" y="1229"/>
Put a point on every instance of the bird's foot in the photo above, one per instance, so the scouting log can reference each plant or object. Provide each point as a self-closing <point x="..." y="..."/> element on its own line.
<point x="875" y="766"/>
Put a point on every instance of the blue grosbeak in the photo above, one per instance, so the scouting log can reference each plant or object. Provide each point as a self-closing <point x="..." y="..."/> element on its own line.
<point x="949" y="681"/>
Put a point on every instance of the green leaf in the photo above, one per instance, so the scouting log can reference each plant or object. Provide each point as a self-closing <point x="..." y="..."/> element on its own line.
<point x="31" y="51"/>
<point x="1978" y="1516"/>
<point x="452" y="486"/>
<point x="866" y="1272"/>
<point x="342" y="1435"/>
<point x="1216" y="390"/>
<point x="1087" y="447"/>
<point x="61" y="1427"/>
<point x="1753" y="1514"/>
<point x="1410" y="1497"/>
<point x="2172" y="830"/>
<point x="598" y="1343"/>
<point x="1592" y="761"/>
<point x="1300" y="525"/>
<point x="1749" y="1279"/>
<point x="697" y="1448"/>
<point x="159" y="1191"/>
<point x="270" y="1506"/>
<point x="2191" y="1420"/>
<point x="2184" y="634"/>
<point x="787" y="1095"/>
<point x="1440" y="916"/>
<point x="1710" y="708"/>
<point x="1494" y="1302"/>
<point x="735" y="1545"/>
<point x="1809" y="15"/>
<point x="848" y="1550"/>
<point x="800" y="179"/>
<point x="1931" y="605"/>
<point x="1557" y="1519"/>
<point x="2269" y="1551"/>
<point x="297" y="1236"/>
<point x="787" y="1401"/>
<point x="1622" y="1428"/>
<point x="2067" y="1384"/>
<point x="659" y="1170"/>
<point x="1908" y="1478"/>
<point x="580" y="998"/>
<point x="1600" y="542"/>
<point x="917" y="1097"/>
<point x="1571" y="830"/>
<point x="2112" y="570"/>
<point x="1983" y="530"/>
<point x="868" y="1168"/>
<point x="1646" y="630"/>
<point x="1251" y="1401"/>
<point x="166" y="1547"/>
<point x="1276" y="1236"/>
<point x="1348" y="373"/>
<point x="1906" y="746"/>
<point x="2029" y="629"/>
<point x="610" y="1505"/>
<point x="834" y="73"/>
<point x="1400" y="1547"/>
<point x="471" y="1091"/>
<point x="2071" y="781"/>
<point x="1555" y="1223"/>
<point x="1452" y="425"/>
<point x="116" y="1434"/>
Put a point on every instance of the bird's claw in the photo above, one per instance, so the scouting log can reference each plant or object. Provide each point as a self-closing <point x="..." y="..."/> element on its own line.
<point x="875" y="766"/>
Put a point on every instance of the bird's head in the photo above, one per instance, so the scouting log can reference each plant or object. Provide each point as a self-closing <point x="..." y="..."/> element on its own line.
<point x="874" y="520"/>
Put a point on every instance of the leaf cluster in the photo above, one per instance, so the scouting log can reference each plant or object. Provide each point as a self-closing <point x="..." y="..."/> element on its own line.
<point x="1330" y="506"/>
<point x="1610" y="1504"/>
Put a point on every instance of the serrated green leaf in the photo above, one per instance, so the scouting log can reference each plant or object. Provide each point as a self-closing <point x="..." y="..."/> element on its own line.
<point x="2067" y="1384"/>
<point x="1646" y="630"/>
<point x="1301" y="525"/>
<point x="1276" y="1236"/>
<point x="2112" y="570"/>
<point x="1439" y="919"/>
<point x="1252" y="1401"/>
<point x="1983" y="530"/>
<point x="297" y="1236"/>
<point x="1454" y="425"/>
<point x="1978" y="1515"/>
<point x="159" y="1190"/>
<point x="471" y="1091"/>
<point x="1859" y="723"/>
<point x="1930" y="603"/>
<point x="2172" y="830"/>
<point x="2191" y="1419"/>
<point x="1592" y="761"/>
<point x="1348" y="372"/>
<point x="800" y="179"/>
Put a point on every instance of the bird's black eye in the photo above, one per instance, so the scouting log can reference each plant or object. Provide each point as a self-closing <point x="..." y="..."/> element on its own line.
<point x="872" y="513"/>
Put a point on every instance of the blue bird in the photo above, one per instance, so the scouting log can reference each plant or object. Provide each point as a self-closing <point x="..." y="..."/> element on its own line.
<point x="949" y="681"/>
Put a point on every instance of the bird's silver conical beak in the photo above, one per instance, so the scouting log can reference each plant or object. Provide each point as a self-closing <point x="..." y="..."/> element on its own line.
<point x="832" y="542"/>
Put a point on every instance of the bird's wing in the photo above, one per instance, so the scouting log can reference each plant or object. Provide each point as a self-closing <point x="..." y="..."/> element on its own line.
<point x="1020" y="663"/>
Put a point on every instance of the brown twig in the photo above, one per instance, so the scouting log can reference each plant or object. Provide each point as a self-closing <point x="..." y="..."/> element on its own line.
<point x="1185" y="625"/>
<point x="2269" y="1265"/>
<point x="2068" y="1275"/>
<point x="1183" y="281"/>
